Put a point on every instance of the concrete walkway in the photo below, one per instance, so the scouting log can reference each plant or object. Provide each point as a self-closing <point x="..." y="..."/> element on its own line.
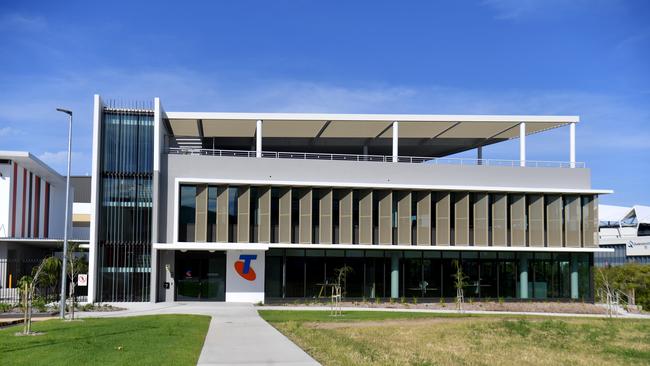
<point x="237" y="334"/>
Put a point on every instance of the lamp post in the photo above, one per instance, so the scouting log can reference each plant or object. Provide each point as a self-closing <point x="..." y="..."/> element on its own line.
<point x="67" y="215"/>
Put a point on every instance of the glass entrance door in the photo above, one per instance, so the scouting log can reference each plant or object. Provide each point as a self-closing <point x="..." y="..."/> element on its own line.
<point x="200" y="276"/>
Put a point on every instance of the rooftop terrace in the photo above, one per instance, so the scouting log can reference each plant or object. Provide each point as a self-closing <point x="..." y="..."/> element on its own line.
<point x="359" y="137"/>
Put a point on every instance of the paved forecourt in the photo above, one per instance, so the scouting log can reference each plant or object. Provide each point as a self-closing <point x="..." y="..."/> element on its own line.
<point x="237" y="334"/>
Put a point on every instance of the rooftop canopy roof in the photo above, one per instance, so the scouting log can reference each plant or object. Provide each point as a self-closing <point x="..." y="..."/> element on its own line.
<point x="419" y="134"/>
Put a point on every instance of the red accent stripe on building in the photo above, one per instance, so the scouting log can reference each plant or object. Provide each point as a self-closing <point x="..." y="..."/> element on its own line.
<point x="46" y="211"/>
<point x="13" y="199"/>
<point x="37" y="205"/>
<point x="22" y="227"/>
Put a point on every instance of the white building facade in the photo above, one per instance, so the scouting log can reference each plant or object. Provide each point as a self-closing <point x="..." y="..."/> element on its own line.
<point x="260" y="207"/>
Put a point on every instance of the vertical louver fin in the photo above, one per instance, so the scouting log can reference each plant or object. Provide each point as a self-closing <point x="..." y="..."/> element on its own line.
<point x="126" y="201"/>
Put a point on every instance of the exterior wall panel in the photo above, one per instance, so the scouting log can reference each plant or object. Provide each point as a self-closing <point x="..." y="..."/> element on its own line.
<point x="305" y="221"/>
<point x="403" y="217"/>
<point x="461" y="217"/>
<point x="201" y="213"/>
<point x="325" y="216"/>
<point x="265" y="214"/>
<point x="243" y="214"/>
<point x="365" y="216"/>
<point x="572" y="217"/>
<point x="499" y="220"/>
<point x="481" y="230"/>
<point x="554" y="221"/>
<point x="536" y="220"/>
<point x="590" y="221"/>
<point x="285" y="215"/>
<point x="385" y="217"/>
<point x="517" y="220"/>
<point x="222" y="213"/>
<point x="443" y="202"/>
<point x="423" y="217"/>
<point x="345" y="216"/>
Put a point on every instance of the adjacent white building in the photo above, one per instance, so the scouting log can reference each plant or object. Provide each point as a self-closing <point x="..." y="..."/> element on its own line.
<point x="626" y="230"/>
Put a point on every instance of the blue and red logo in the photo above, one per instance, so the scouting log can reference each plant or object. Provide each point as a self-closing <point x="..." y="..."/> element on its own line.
<point x="243" y="266"/>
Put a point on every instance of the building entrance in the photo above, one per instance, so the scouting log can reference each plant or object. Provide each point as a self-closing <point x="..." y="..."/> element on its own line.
<point x="200" y="276"/>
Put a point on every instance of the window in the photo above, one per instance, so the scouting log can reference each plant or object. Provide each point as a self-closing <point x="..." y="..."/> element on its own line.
<point x="187" y="213"/>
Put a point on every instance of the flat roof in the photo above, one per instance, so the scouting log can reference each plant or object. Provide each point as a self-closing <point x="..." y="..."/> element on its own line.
<point x="33" y="164"/>
<point x="419" y="134"/>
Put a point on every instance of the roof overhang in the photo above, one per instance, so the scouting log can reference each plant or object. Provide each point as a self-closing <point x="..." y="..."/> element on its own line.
<point x="313" y="125"/>
<point x="32" y="163"/>
<point x="419" y="134"/>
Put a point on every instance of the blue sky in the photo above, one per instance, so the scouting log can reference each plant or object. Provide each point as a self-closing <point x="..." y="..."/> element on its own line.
<point x="584" y="57"/>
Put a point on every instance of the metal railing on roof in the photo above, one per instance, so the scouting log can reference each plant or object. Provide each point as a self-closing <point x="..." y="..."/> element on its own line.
<point x="374" y="158"/>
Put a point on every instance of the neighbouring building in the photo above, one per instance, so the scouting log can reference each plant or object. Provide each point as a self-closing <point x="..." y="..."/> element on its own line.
<point x="268" y="206"/>
<point x="626" y="230"/>
<point x="32" y="216"/>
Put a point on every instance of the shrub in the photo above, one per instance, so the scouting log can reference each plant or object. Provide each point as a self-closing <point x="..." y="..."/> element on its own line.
<point x="627" y="278"/>
<point x="4" y="307"/>
<point x="39" y="304"/>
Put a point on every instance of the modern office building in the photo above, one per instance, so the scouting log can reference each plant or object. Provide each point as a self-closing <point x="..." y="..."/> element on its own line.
<point x="625" y="230"/>
<point x="264" y="206"/>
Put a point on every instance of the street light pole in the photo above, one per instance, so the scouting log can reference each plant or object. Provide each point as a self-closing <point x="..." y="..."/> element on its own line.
<point x="67" y="216"/>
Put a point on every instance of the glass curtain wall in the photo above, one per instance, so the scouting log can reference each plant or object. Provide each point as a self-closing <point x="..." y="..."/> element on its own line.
<point x="311" y="273"/>
<point x="126" y="172"/>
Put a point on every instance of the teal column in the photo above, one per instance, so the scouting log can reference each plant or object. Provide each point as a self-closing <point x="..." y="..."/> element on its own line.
<point x="394" y="275"/>
<point x="523" y="277"/>
<point x="574" y="277"/>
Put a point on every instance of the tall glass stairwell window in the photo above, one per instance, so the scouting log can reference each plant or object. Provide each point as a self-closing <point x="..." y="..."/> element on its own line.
<point x="126" y="171"/>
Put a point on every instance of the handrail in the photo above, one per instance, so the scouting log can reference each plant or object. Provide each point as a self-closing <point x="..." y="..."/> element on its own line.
<point x="373" y="158"/>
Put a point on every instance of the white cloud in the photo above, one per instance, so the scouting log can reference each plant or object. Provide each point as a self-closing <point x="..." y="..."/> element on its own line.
<point x="58" y="160"/>
<point x="515" y="10"/>
<point x="7" y="131"/>
<point x="22" y="22"/>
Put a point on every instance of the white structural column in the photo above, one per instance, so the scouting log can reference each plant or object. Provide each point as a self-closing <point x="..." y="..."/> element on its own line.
<point x="395" y="140"/>
<point x="572" y="144"/>
<point x="522" y="144"/>
<point x="258" y="139"/>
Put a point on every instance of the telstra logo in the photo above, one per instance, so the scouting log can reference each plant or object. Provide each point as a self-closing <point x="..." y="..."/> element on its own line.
<point x="243" y="266"/>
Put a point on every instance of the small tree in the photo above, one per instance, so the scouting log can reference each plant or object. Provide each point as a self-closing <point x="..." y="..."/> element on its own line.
<point x="339" y="284"/>
<point x="605" y="290"/>
<point x="76" y="265"/>
<point x="460" y="281"/>
<point x="28" y="284"/>
<point x="342" y="276"/>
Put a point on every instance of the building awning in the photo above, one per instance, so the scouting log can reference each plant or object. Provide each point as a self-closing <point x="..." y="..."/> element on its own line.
<point x="423" y="135"/>
<point x="308" y="125"/>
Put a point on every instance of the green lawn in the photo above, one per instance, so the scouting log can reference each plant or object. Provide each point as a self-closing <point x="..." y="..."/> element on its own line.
<point x="390" y="338"/>
<point x="142" y="340"/>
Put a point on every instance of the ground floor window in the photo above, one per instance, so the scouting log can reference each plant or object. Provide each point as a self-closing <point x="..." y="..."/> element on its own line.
<point x="311" y="273"/>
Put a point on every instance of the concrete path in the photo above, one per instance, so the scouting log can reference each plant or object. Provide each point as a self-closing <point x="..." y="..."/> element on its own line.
<point x="237" y="334"/>
<point x="443" y="311"/>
